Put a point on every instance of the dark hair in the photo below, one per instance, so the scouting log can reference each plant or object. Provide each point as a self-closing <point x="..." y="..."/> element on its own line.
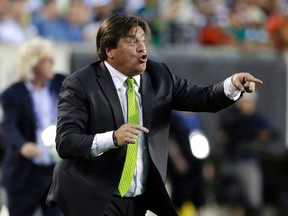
<point x="115" y="28"/>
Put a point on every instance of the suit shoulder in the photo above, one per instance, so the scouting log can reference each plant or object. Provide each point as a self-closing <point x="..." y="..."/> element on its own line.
<point x="86" y="71"/>
<point x="58" y="79"/>
<point x="152" y="64"/>
<point x="59" y="76"/>
<point x="85" y="76"/>
<point x="14" y="89"/>
<point x="158" y="69"/>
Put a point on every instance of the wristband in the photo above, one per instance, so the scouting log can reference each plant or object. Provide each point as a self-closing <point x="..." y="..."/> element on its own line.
<point x="114" y="139"/>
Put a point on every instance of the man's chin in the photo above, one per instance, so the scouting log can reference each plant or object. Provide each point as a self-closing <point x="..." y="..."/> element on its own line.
<point x="137" y="73"/>
<point x="50" y="76"/>
<point x="142" y="67"/>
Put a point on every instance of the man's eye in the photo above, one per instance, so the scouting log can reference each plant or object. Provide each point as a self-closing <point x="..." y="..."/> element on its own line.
<point x="131" y="40"/>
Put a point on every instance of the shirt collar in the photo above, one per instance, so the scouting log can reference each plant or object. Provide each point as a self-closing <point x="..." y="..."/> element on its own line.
<point x="119" y="78"/>
<point x="31" y="88"/>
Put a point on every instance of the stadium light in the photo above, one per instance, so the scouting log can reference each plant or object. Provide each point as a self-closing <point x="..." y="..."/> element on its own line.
<point x="199" y="144"/>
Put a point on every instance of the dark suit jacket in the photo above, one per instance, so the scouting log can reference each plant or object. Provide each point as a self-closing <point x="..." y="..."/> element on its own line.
<point x="19" y="126"/>
<point x="89" y="104"/>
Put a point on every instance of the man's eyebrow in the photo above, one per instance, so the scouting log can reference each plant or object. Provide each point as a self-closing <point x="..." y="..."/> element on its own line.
<point x="130" y="36"/>
<point x="134" y="35"/>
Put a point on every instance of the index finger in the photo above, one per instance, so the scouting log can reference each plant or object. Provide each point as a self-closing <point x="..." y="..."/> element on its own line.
<point x="254" y="79"/>
<point x="139" y="127"/>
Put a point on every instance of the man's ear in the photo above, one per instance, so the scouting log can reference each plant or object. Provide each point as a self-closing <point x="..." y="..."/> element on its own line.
<point x="109" y="53"/>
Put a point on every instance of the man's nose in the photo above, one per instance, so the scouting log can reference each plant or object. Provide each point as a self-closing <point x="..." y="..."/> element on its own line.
<point x="141" y="46"/>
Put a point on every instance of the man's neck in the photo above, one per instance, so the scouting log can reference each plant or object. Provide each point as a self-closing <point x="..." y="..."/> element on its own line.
<point x="38" y="84"/>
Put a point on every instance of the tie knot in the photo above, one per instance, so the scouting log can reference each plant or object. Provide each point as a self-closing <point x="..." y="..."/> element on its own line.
<point x="130" y="83"/>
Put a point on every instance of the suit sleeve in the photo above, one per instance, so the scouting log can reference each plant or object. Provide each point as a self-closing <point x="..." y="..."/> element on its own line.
<point x="183" y="95"/>
<point x="190" y="97"/>
<point x="11" y="133"/>
<point x="72" y="138"/>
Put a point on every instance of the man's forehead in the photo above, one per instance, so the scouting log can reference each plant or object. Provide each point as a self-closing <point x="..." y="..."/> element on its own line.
<point x="134" y="30"/>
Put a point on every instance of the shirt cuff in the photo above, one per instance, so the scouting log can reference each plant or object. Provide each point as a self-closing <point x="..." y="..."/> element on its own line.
<point x="102" y="142"/>
<point x="230" y="90"/>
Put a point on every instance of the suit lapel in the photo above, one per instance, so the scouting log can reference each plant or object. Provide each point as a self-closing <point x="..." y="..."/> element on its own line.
<point x="104" y="80"/>
<point x="147" y="97"/>
<point x="27" y="102"/>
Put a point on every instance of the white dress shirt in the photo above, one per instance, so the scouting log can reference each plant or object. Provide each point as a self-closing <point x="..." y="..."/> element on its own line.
<point x="45" y="113"/>
<point x="103" y="141"/>
<point x="230" y="90"/>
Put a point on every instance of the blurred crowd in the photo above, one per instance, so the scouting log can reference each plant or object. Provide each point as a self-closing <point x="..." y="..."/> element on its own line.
<point x="248" y="23"/>
<point x="245" y="24"/>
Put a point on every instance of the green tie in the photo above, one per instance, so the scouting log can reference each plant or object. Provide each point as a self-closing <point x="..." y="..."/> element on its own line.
<point x="131" y="155"/>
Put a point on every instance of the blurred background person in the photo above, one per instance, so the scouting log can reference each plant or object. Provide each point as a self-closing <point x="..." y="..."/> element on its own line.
<point x="99" y="10"/>
<point x="256" y="35"/>
<point x="15" y="23"/>
<point x="277" y="25"/>
<point x="243" y="133"/>
<point x="184" y="169"/>
<point x="214" y="15"/>
<point x="67" y="27"/>
<point x="229" y="28"/>
<point x="179" y="21"/>
<point x="151" y="12"/>
<point x="29" y="107"/>
<point x="47" y="20"/>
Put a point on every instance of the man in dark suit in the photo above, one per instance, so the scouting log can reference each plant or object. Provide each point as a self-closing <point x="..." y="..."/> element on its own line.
<point x="30" y="106"/>
<point x="95" y="136"/>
